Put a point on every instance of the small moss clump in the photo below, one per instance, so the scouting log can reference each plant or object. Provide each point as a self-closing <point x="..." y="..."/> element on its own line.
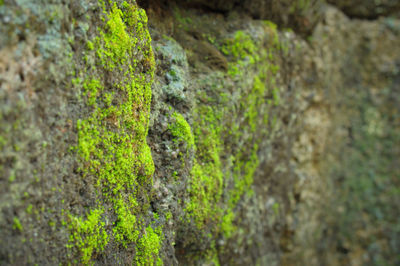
<point x="148" y="247"/>
<point x="181" y="130"/>
<point x="88" y="234"/>
<point x="240" y="46"/>
<point x="17" y="224"/>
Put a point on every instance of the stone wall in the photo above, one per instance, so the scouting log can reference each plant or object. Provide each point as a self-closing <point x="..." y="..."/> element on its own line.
<point x="198" y="133"/>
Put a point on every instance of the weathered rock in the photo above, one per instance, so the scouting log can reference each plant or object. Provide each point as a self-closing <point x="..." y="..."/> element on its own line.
<point x="302" y="16"/>
<point x="368" y="9"/>
<point x="257" y="136"/>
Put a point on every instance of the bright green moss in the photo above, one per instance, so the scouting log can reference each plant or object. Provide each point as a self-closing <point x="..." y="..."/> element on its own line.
<point x="126" y="229"/>
<point x="90" y="45"/>
<point x="205" y="192"/>
<point x="146" y="160"/>
<point x="92" y="88"/>
<point x="245" y="167"/>
<point x="243" y="51"/>
<point x="227" y="226"/>
<point x="88" y="235"/>
<point x="112" y="145"/>
<point x="17" y="224"/>
<point x="181" y="130"/>
<point x="115" y="42"/>
<point x="270" y="25"/>
<point x="240" y="46"/>
<point x="206" y="184"/>
<point x="253" y="102"/>
<point x="227" y="137"/>
<point x="29" y="209"/>
<point x="148" y="247"/>
<point x="275" y="208"/>
<point x="12" y="177"/>
<point x="168" y="216"/>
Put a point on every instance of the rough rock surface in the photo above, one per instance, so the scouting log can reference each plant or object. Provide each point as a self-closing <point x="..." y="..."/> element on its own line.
<point x="368" y="9"/>
<point x="198" y="134"/>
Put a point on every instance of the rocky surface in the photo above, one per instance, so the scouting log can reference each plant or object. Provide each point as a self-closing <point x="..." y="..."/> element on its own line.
<point x="198" y="133"/>
<point x="368" y="9"/>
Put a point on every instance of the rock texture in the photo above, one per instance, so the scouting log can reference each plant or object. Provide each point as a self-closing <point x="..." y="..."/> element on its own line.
<point x="368" y="9"/>
<point x="199" y="133"/>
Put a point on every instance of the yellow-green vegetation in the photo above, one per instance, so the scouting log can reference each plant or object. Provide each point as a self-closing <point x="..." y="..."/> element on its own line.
<point x="88" y="234"/>
<point x="219" y="127"/>
<point x="181" y="130"/>
<point x="240" y="47"/>
<point x="112" y="147"/>
<point x="148" y="247"/>
<point x="3" y="142"/>
<point x="17" y="224"/>
<point x="207" y="179"/>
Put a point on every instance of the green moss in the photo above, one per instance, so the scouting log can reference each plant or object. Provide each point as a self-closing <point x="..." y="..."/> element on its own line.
<point x="52" y="224"/>
<point x="112" y="147"/>
<point x="17" y="224"/>
<point x="168" y="216"/>
<point x="90" y="45"/>
<point x="227" y="226"/>
<point x="126" y="229"/>
<point x="92" y="88"/>
<point x="275" y="208"/>
<point x="115" y="42"/>
<point x="227" y="136"/>
<point x="270" y="24"/>
<point x="245" y="167"/>
<point x="253" y="102"/>
<point x="205" y="192"/>
<point x="12" y="177"/>
<point x="181" y="130"/>
<point x="240" y="46"/>
<point x="88" y="234"/>
<point x="206" y="184"/>
<point x="29" y="209"/>
<point x="148" y="247"/>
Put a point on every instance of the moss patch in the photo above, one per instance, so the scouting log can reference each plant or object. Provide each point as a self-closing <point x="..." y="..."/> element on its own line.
<point x="112" y="147"/>
<point x="181" y="130"/>
<point x="17" y="224"/>
<point x="227" y="137"/>
<point x="148" y="247"/>
<point x="88" y="234"/>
